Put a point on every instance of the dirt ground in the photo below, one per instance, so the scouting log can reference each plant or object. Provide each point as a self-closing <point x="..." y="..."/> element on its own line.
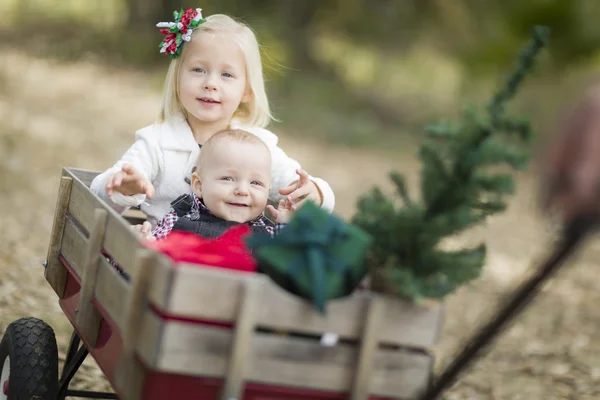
<point x="54" y="115"/>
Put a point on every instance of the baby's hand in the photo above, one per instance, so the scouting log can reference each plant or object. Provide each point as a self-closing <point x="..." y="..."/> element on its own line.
<point x="302" y="190"/>
<point x="284" y="212"/>
<point x="144" y="230"/>
<point x="129" y="181"/>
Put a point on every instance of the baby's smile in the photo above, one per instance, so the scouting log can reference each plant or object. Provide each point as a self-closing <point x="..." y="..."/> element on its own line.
<point x="239" y="204"/>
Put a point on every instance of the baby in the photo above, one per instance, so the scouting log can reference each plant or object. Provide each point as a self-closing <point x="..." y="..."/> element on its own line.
<point x="229" y="186"/>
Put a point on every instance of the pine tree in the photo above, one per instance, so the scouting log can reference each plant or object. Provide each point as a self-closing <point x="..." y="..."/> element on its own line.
<point x="457" y="193"/>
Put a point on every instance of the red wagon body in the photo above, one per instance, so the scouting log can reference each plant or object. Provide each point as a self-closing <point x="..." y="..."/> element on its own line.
<point x="145" y="325"/>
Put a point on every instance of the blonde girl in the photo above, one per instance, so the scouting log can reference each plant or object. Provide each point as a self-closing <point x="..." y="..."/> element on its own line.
<point x="214" y="82"/>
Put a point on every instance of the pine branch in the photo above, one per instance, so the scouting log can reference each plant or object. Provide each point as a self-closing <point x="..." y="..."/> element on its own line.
<point x="456" y="194"/>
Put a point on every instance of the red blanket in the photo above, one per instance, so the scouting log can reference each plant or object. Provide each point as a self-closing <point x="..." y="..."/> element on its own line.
<point x="228" y="251"/>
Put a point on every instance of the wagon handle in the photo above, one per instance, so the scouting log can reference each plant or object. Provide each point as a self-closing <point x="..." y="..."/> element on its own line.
<point x="573" y="234"/>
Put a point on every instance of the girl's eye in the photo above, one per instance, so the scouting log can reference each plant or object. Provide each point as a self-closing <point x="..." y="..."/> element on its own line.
<point x="227" y="75"/>
<point x="198" y="70"/>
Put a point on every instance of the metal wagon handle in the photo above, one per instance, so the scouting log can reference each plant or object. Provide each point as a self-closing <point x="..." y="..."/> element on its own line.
<point x="573" y="234"/>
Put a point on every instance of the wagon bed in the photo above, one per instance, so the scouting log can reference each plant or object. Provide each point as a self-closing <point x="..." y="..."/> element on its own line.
<point x="151" y="327"/>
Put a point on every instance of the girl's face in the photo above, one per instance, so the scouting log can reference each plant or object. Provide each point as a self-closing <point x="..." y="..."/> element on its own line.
<point x="212" y="80"/>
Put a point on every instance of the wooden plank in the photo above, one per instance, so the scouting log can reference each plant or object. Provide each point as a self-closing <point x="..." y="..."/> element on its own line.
<point x="129" y="371"/>
<point x="131" y="383"/>
<point x="112" y="291"/>
<point x="84" y="175"/>
<point x="244" y="329"/>
<point x="88" y="318"/>
<point x="201" y="350"/>
<point x="135" y="305"/>
<point x="133" y="220"/>
<point x="82" y="205"/>
<point x="56" y="273"/>
<point x="149" y="346"/>
<point x="74" y="245"/>
<point x="162" y="280"/>
<point x="119" y="241"/>
<point x="133" y="215"/>
<point x="368" y="348"/>
<point x="122" y="243"/>
<point x="195" y="290"/>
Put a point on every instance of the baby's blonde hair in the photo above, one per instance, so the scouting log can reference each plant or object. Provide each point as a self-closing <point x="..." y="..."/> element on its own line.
<point x="236" y="135"/>
<point x="255" y="112"/>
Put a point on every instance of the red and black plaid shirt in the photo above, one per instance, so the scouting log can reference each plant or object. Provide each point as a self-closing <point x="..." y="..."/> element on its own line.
<point x="166" y="224"/>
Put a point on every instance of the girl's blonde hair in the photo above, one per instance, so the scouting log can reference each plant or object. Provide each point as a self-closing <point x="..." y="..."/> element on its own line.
<point x="255" y="112"/>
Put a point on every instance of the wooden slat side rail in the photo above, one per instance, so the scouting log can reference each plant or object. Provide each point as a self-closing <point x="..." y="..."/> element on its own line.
<point x="112" y="291"/>
<point x="56" y="273"/>
<point x="137" y="301"/>
<point x="87" y="176"/>
<point x="84" y="175"/>
<point x="244" y="330"/>
<point x="122" y="243"/>
<point x="132" y="389"/>
<point x="201" y="350"/>
<point x="368" y="347"/>
<point x="74" y="245"/>
<point x="82" y="205"/>
<point x="88" y="318"/>
<point x="119" y="241"/>
<point x="128" y="370"/>
<point x="150" y="344"/>
<point x="148" y="349"/>
<point x="162" y="280"/>
<point x="195" y="288"/>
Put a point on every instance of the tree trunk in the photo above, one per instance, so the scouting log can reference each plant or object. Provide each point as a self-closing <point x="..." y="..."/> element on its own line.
<point x="297" y="24"/>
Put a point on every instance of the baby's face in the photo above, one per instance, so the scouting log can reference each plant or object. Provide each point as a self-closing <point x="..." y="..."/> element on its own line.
<point x="235" y="181"/>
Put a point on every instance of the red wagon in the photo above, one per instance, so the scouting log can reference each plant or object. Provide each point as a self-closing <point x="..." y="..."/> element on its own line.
<point x="146" y="326"/>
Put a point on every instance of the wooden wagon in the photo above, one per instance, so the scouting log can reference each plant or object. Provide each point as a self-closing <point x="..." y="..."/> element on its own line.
<point x="160" y="330"/>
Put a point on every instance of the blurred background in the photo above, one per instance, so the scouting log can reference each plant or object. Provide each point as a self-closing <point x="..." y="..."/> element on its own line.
<point x="352" y="83"/>
<point x="364" y="72"/>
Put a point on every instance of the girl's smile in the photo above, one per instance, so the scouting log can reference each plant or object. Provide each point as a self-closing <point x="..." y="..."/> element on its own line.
<point x="208" y="101"/>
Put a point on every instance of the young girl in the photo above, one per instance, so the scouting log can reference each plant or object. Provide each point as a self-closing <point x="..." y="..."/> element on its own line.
<point x="214" y="82"/>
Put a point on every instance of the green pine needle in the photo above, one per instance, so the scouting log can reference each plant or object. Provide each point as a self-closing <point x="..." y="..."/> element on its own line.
<point x="457" y="193"/>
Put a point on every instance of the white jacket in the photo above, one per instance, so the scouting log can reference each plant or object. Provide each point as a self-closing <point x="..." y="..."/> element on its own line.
<point x="166" y="153"/>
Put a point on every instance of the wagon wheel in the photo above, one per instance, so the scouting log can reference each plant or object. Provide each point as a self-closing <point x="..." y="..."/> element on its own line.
<point x="29" y="361"/>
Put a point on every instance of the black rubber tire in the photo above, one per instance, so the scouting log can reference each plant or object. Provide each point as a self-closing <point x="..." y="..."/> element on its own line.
<point x="31" y="345"/>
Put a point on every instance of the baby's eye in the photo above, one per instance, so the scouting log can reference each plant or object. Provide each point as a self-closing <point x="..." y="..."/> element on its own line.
<point x="226" y="178"/>
<point x="227" y="75"/>
<point x="258" y="183"/>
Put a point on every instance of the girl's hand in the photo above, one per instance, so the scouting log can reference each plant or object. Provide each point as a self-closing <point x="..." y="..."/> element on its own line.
<point x="129" y="181"/>
<point x="302" y="190"/>
<point x="284" y="212"/>
<point x="144" y="230"/>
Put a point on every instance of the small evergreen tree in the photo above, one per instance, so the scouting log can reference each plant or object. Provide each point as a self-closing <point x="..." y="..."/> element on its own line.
<point x="457" y="193"/>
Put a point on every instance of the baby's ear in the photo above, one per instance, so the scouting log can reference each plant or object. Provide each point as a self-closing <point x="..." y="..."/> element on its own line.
<point x="196" y="184"/>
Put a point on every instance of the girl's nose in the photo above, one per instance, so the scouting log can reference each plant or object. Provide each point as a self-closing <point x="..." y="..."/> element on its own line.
<point x="209" y="84"/>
